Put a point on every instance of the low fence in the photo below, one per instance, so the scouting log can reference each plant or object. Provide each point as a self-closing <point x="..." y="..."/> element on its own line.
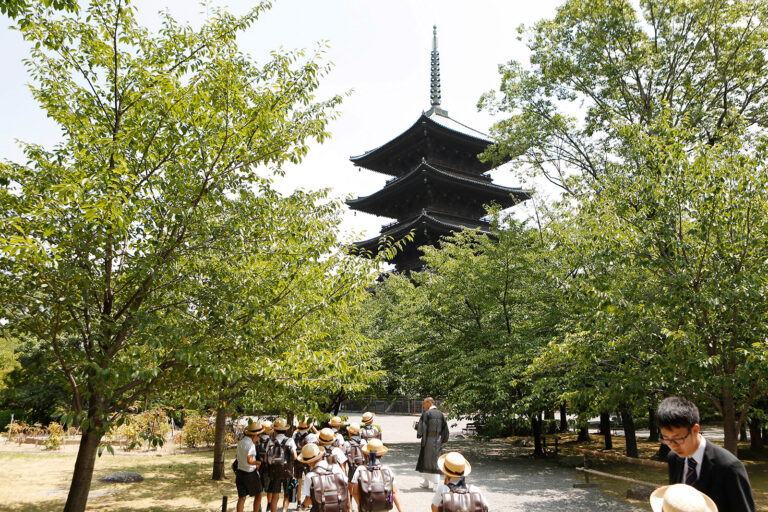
<point x="401" y="405"/>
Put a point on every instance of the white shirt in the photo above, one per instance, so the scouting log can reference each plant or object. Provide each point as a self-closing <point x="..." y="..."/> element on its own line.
<point x="698" y="456"/>
<point x="306" y="486"/>
<point x="437" y="499"/>
<point x="290" y="444"/>
<point x="245" y="448"/>
<point x="339" y="453"/>
<point x="356" y="476"/>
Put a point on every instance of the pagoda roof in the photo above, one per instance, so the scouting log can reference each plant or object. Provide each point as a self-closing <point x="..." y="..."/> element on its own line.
<point x="434" y="122"/>
<point x="438" y="223"/>
<point x="376" y="203"/>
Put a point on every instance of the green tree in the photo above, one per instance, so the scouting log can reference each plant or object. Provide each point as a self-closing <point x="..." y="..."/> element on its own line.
<point x="96" y="233"/>
<point x="17" y="8"/>
<point x="701" y="60"/>
<point x="467" y="327"/>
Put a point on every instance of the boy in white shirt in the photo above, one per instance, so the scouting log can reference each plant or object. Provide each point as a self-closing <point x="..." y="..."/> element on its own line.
<point x="246" y="475"/>
<point x="455" y="468"/>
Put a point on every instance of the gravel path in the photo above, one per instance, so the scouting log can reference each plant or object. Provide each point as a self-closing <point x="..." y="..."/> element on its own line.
<point x="509" y="480"/>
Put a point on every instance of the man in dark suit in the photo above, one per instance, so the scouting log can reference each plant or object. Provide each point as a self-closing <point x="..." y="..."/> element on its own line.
<point x="706" y="466"/>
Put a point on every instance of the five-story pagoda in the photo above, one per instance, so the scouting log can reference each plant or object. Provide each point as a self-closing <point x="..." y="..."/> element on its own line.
<point x="439" y="185"/>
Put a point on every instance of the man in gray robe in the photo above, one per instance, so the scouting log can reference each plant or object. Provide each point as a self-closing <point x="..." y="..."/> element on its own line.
<point x="432" y="429"/>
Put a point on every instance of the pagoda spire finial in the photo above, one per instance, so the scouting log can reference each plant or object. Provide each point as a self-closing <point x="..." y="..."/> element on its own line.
<point x="434" y="84"/>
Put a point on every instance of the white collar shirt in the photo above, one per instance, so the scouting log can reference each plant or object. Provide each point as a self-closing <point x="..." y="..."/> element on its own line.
<point x="321" y="464"/>
<point x="698" y="456"/>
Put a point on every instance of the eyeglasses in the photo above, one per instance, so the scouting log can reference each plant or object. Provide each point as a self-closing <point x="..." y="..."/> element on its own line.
<point x="677" y="441"/>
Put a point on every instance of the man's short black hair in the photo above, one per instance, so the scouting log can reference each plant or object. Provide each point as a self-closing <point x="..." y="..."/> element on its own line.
<point x="677" y="412"/>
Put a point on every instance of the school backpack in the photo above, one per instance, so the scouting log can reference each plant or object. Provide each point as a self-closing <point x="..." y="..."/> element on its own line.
<point x="375" y="484"/>
<point x="301" y="439"/>
<point x="370" y="432"/>
<point x="329" y="457"/>
<point x="328" y="491"/>
<point x="280" y="461"/>
<point x="460" y="499"/>
<point x="355" y="456"/>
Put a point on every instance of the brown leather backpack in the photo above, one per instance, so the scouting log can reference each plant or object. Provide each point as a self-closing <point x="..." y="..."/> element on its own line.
<point x="376" y="486"/>
<point x="328" y="491"/>
<point x="461" y="499"/>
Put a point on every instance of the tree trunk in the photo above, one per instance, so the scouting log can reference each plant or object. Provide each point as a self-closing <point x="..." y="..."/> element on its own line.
<point x="83" y="473"/>
<point x="563" y="418"/>
<point x="730" y="427"/>
<point x="755" y="435"/>
<point x="538" y="449"/>
<point x="583" y="433"/>
<point x="630" y="436"/>
<point x="219" y="444"/>
<point x="549" y="414"/>
<point x="663" y="452"/>
<point x="336" y="402"/>
<point x="743" y="432"/>
<point x="605" y="429"/>
<point x="653" y="425"/>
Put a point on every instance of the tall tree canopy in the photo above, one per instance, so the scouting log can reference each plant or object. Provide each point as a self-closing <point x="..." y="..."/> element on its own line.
<point x="98" y="233"/>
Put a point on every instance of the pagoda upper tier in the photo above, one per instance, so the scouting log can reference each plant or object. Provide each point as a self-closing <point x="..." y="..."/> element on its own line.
<point x="441" y="140"/>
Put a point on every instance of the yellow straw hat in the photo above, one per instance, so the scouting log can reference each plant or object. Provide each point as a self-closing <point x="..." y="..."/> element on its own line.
<point x="267" y="426"/>
<point x="454" y="464"/>
<point x="681" y="498"/>
<point x="353" y="429"/>
<point x="368" y="418"/>
<point x="281" y="425"/>
<point x="375" y="446"/>
<point x="253" y="429"/>
<point x="335" y="422"/>
<point x="326" y="437"/>
<point x="303" y="424"/>
<point x="310" y="453"/>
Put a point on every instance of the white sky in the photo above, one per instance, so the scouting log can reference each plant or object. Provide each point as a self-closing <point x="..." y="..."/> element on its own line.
<point x="381" y="52"/>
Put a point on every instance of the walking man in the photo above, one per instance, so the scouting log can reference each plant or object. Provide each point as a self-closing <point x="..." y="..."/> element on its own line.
<point x="432" y="429"/>
<point x="694" y="461"/>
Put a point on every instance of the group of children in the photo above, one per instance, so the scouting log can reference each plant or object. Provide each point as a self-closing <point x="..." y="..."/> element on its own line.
<point x="318" y="468"/>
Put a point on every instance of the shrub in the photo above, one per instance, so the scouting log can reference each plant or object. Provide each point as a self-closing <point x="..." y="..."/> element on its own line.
<point x="55" y="436"/>
<point x="198" y="431"/>
<point x="150" y="426"/>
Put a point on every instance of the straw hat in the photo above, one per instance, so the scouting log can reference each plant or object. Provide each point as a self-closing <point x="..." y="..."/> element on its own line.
<point x="353" y="429"/>
<point x="326" y="437"/>
<point x="281" y="425"/>
<point x="335" y="422"/>
<point x="453" y="464"/>
<point x="311" y="453"/>
<point x="303" y="424"/>
<point x="267" y="426"/>
<point x="681" y="498"/>
<point x="375" y="446"/>
<point x="367" y="418"/>
<point x="253" y="429"/>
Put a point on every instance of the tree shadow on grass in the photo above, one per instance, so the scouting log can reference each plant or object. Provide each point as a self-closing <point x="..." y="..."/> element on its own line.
<point x="166" y="486"/>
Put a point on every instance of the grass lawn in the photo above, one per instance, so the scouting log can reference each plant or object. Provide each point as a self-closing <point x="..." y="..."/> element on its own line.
<point x="756" y="464"/>
<point x="35" y="481"/>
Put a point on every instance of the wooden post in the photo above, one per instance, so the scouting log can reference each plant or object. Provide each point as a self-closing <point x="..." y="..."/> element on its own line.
<point x="587" y="483"/>
<point x="223" y="504"/>
<point x="556" y="443"/>
<point x="10" y="429"/>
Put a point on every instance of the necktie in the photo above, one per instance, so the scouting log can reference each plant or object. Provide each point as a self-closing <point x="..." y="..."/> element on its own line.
<point x="690" y="475"/>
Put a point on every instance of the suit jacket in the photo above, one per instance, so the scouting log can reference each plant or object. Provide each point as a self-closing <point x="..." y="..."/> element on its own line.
<point x="722" y="478"/>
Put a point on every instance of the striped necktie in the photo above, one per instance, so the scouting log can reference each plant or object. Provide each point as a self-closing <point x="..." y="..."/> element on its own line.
<point x="690" y="475"/>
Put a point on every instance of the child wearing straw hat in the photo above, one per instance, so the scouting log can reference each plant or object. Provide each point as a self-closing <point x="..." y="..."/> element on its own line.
<point x="375" y="450"/>
<point x="369" y="430"/>
<point x="314" y="456"/>
<point x="281" y="483"/>
<point x="247" y="477"/>
<point x="454" y="494"/>
<point x="328" y="440"/>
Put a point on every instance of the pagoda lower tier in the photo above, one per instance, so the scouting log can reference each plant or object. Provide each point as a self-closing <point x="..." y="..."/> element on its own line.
<point x="428" y="227"/>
